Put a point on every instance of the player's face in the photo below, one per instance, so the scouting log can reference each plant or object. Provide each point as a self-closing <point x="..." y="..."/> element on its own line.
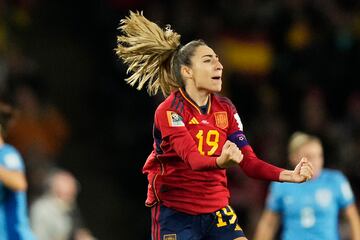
<point x="313" y="151"/>
<point x="206" y="70"/>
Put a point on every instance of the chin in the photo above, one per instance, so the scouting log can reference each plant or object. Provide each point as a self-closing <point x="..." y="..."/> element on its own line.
<point x="217" y="89"/>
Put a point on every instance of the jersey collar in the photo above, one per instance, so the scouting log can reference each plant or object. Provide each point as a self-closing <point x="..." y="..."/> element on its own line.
<point x="197" y="107"/>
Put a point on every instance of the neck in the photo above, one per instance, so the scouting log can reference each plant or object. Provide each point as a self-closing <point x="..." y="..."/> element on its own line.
<point x="199" y="97"/>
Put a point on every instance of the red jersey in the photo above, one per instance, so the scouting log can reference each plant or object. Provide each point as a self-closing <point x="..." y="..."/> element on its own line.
<point x="182" y="170"/>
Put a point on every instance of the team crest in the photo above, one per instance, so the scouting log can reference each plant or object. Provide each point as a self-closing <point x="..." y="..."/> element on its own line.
<point x="323" y="197"/>
<point x="221" y="119"/>
<point x="169" y="237"/>
<point x="174" y="119"/>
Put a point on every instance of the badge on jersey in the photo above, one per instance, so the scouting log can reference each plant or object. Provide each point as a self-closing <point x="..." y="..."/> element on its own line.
<point x="323" y="197"/>
<point x="170" y="237"/>
<point x="174" y="119"/>
<point x="221" y="119"/>
<point x="12" y="161"/>
<point x="346" y="191"/>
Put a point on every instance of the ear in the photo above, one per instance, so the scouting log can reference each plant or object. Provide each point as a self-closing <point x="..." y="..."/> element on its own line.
<point x="186" y="72"/>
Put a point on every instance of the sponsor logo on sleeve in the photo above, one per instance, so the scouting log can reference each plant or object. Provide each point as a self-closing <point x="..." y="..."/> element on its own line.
<point x="12" y="161"/>
<point x="221" y="119"/>
<point x="346" y="191"/>
<point x="174" y="119"/>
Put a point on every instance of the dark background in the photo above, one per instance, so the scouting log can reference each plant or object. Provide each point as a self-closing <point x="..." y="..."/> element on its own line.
<point x="300" y="72"/>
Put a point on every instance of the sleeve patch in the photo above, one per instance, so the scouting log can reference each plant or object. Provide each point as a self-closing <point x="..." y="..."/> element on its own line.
<point x="346" y="191"/>
<point x="174" y="119"/>
<point x="238" y="120"/>
<point x="239" y="139"/>
<point x="12" y="161"/>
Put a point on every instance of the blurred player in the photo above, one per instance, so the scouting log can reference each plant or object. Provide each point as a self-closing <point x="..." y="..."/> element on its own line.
<point x="14" y="224"/>
<point x="55" y="215"/>
<point x="197" y="135"/>
<point x="310" y="210"/>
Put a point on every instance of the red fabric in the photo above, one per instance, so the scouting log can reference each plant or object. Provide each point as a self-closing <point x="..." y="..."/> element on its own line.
<point x="257" y="168"/>
<point x="181" y="169"/>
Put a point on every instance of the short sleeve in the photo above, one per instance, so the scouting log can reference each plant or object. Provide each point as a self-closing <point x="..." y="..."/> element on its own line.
<point x="13" y="161"/>
<point x="345" y="193"/>
<point x="274" y="198"/>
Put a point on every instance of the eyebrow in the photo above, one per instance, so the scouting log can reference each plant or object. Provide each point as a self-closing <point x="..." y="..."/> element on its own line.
<point x="210" y="55"/>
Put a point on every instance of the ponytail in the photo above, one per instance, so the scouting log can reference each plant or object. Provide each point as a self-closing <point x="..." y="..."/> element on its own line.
<point x="149" y="52"/>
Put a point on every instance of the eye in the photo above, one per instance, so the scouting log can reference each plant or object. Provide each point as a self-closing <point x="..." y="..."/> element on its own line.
<point x="207" y="60"/>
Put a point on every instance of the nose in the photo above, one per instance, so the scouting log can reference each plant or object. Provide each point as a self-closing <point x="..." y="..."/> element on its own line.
<point x="218" y="65"/>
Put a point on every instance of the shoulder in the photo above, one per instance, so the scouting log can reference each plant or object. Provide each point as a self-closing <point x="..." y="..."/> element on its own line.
<point x="335" y="177"/>
<point x="6" y="148"/>
<point x="284" y="188"/>
<point x="42" y="204"/>
<point x="278" y="186"/>
<point x="329" y="174"/>
<point x="173" y="102"/>
<point x="10" y="157"/>
<point x="225" y="101"/>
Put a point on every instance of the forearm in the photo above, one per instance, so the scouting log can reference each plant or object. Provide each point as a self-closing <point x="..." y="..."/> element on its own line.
<point x="352" y="216"/>
<point x="286" y="176"/>
<point x="185" y="147"/>
<point x="13" y="180"/>
<point x="267" y="226"/>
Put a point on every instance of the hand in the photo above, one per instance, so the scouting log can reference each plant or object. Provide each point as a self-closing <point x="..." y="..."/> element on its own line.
<point x="230" y="156"/>
<point x="303" y="171"/>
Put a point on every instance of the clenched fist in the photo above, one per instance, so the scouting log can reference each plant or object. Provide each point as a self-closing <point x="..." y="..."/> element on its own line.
<point x="230" y="156"/>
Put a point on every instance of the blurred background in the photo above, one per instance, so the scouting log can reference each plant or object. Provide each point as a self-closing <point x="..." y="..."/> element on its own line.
<point x="288" y="65"/>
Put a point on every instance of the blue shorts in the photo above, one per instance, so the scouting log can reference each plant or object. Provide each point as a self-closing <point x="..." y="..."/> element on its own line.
<point x="169" y="224"/>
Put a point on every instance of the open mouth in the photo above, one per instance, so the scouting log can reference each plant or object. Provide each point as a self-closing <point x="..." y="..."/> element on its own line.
<point x="216" y="78"/>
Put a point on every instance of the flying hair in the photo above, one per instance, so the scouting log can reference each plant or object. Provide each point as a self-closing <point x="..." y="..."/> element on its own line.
<point x="148" y="51"/>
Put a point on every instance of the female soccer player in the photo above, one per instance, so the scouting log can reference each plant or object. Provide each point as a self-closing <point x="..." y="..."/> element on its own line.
<point x="310" y="210"/>
<point x="14" y="222"/>
<point x="197" y="135"/>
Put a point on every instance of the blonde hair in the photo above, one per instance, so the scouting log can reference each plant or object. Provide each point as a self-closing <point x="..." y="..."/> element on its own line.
<point x="299" y="139"/>
<point x="148" y="51"/>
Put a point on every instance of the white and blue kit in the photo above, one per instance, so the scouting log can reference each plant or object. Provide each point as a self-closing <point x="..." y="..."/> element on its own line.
<point x="310" y="210"/>
<point x="14" y="223"/>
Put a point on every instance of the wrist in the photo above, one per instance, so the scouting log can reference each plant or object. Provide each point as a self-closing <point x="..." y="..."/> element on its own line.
<point x="218" y="162"/>
<point x="286" y="176"/>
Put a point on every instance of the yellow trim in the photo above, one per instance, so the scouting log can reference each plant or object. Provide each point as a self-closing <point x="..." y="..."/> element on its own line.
<point x="193" y="104"/>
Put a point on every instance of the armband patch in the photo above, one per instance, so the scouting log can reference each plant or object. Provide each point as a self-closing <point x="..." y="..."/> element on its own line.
<point x="239" y="139"/>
